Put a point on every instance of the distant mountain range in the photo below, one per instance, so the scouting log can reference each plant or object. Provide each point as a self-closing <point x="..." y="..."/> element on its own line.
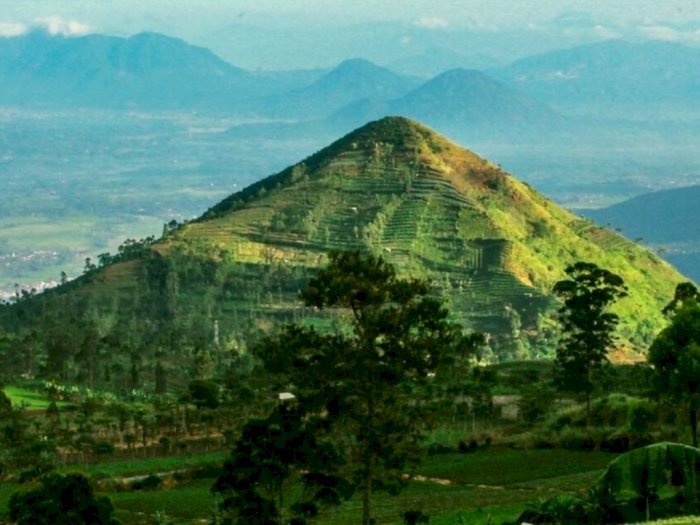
<point x="668" y="220"/>
<point x="152" y="71"/>
<point x="611" y="78"/>
<point x="147" y="71"/>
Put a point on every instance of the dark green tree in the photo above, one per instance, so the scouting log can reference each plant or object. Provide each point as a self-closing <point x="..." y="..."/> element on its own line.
<point x="675" y="358"/>
<point x="61" y="500"/>
<point x="372" y="378"/>
<point x="684" y="292"/>
<point x="203" y="393"/>
<point x="271" y="455"/>
<point x="587" y="326"/>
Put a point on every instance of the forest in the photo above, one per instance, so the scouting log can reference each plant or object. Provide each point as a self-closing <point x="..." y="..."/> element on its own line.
<point x="386" y="411"/>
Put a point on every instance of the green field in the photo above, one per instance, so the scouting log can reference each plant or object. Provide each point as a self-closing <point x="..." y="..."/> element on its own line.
<point x="29" y="398"/>
<point x="472" y="488"/>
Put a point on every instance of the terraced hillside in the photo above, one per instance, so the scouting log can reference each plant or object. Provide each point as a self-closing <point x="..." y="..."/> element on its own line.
<point x="490" y="244"/>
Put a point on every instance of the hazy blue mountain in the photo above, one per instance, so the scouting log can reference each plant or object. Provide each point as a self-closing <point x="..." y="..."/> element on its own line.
<point x="462" y="103"/>
<point x="463" y="96"/>
<point x="611" y="78"/>
<point x="664" y="216"/>
<point x="350" y="81"/>
<point x="146" y="70"/>
<point x="667" y="219"/>
<point x="435" y="60"/>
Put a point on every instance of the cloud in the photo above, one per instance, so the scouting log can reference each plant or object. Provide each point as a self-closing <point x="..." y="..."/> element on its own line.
<point x="431" y="22"/>
<point x="10" y="29"/>
<point x="669" y="34"/>
<point x="56" y="25"/>
<point x="607" y="33"/>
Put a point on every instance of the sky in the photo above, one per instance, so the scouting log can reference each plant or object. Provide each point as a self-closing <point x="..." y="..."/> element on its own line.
<point x="313" y="33"/>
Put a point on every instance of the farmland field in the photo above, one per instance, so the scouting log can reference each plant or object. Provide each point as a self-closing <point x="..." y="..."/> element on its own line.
<point x="495" y="484"/>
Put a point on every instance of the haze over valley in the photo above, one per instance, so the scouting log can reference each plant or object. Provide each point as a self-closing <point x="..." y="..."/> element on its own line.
<point x="106" y="138"/>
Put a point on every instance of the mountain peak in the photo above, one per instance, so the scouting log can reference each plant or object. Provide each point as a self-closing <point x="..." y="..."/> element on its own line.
<point x="396" y="129"/>
<point x="356" y="64"/>
<point x="396" y="140"/>
<point x="396" y="187"/>
<point x="401" y="139"/>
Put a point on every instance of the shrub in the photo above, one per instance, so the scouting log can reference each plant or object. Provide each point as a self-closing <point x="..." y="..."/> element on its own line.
<point x="438" y="448"/>
<point x="150" y="482"/>
<point x="616" y="443"/>
<point x="204" y="394"/>
<point x="103" y="448"/>
<point x="574" y="439"/>
<point x="642" y="417"/>
<point x="61" y="500"/>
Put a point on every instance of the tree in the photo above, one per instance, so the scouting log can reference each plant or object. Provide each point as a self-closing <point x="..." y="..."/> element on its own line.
<point x="270" y="456"/>
<point x="587" y="326"/>
<point x="372" y="379"/>
<point x="203" y="393"/>
<point x="61" y="500"/>
<point x="675" y="358"/>
<point x="684" y="292"/>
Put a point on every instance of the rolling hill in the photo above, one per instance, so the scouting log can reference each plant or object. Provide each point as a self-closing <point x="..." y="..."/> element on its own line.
<point x="490" y="244"/>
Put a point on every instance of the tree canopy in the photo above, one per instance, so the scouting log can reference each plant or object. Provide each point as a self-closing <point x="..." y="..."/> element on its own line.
<point x="61" y="500"/>
<point x="675" y="358"/>
<point x="587" y="325"/>
<point x="368" y="385"/>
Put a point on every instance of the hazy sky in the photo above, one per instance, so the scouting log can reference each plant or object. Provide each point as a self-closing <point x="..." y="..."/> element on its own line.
<point x="128" y="16"/>
<point x="308" y="24"/>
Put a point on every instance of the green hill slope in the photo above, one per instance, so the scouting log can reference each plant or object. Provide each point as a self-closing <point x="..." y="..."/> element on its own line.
<point x="490" y="244"/>
<point x="437" y="211"/>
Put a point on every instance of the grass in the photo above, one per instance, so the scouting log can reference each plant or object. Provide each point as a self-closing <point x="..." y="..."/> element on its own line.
<point x="492" y="482"/>
<point x="685" y="520"/>
<point x="495" y="484"/>
<point x="503" y="467"/>
<point x="6" y="490"/>
<point x="134" y="467"/>
<point x="29" y="398"/>
<point x="190" y="501"/>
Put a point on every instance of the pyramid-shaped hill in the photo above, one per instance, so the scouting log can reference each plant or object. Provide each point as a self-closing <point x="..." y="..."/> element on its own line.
<point x="489" y="242"/>
<point x="491" y="245"/>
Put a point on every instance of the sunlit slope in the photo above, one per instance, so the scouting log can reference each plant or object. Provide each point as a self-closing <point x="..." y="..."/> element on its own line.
<point x="489" y="242"/>
<point x="491" y="246"/>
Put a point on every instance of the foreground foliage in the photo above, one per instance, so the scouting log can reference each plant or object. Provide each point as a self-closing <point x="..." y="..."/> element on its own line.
<point x="366" y="390"/>
<point x="655" y="481"/>
<point x="675" y="357"/>
<point x="587" y="325"/>
<point x="61" y="500"/>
